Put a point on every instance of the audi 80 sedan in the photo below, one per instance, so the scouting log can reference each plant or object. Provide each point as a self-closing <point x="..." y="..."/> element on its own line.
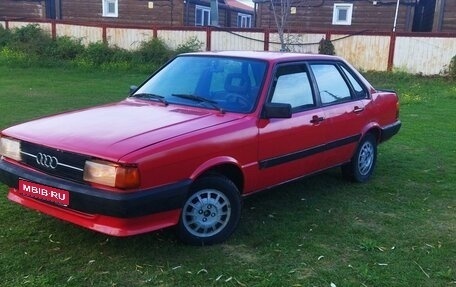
<point x="201" y="133"/>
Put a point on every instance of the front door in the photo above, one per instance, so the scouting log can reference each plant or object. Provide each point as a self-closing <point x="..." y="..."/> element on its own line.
<point x="291" y="148"/>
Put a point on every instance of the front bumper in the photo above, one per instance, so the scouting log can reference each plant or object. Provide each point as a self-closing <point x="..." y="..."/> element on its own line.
<point x="118" y="214"/>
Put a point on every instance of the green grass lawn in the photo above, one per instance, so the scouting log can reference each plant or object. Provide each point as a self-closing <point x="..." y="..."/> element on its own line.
<point x="399" y="229"/>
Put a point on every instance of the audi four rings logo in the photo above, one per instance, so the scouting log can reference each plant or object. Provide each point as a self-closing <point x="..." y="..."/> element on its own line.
<point x="47" y="160"/>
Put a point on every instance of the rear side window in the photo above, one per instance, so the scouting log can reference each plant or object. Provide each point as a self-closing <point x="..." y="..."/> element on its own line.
<point x="357" y="87"/>
<point x="331" y="84"/>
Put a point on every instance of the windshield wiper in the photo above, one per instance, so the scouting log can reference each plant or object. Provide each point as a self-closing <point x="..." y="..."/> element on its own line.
<point x="151" y="96"/>
<point x="199" y="100"/>
<point x="337" y="98"/>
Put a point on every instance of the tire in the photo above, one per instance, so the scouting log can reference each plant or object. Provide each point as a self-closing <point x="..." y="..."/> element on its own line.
<point x="211" y="212"/>
<point x="362" y="165"/>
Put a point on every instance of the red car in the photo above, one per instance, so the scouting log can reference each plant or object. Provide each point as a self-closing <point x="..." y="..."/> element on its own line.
<point x="201" y="133"/>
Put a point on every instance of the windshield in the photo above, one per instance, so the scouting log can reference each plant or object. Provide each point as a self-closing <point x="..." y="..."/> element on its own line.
<point x="227" y="84"/>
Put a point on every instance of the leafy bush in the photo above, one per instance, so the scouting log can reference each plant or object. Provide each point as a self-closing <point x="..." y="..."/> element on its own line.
<point x="326" y="47"/>
<point x="121" y="59"/>
<point x="9" y="56"/>
<point x="452" y="68"/>
<point x="30" y="45"/>
<point x="66" y="48"/>
<point x="192" y="45"/>
<point x="31" y="39"/>
<point x="98" y="53"/>
<point x="5" y="36"/>
<point x="153" y="52"/>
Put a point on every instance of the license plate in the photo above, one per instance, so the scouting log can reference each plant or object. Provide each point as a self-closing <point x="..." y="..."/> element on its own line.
<point x="44" y="192"/>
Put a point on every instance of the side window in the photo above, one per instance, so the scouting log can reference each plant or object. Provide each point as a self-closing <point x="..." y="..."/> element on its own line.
<point x="357" y="86"/>
<point x="244" y="20"/>
<point x="342" y="14"/>
<point x="331" y="85"/>
<point x="110" y="8"/>
<point x="292" y="86"/>
<point x="202" y="16"/>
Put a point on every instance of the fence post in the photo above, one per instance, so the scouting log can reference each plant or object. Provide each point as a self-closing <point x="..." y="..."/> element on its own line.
<point x="392" y="48"/>
<point x="154" y="32"/>
<point x="266" y="40"/>
<point x="208" y="38"/>
<point x="104" y="34"/>
<point x="328" y="35"/>
<point x="53" y="29"/>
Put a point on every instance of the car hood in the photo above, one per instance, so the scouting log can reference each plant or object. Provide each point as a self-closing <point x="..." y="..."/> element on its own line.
<point x="112" y="131"/>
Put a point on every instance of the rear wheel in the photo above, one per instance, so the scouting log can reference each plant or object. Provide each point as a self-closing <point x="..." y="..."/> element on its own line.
<point x="361" y="166"/>
<point x="211" y="212"/>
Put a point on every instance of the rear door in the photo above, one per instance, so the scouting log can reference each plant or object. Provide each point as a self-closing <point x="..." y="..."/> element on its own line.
<point x="343" y="99"/>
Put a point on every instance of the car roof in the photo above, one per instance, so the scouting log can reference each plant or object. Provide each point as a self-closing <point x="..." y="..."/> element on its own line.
<point x="268" y="55"/>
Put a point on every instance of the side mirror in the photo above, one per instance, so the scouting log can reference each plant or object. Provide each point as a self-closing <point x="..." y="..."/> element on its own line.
<point x="133" y="89"/>
<point x="276" y="110"/>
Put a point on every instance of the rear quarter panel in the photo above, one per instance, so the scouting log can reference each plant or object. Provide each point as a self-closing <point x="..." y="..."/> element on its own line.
<point x="385" y="107"/>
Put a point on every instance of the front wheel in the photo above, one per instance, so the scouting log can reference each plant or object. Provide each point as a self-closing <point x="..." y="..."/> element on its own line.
<point x="211" y="212"/>
<point x="361" y="167"/>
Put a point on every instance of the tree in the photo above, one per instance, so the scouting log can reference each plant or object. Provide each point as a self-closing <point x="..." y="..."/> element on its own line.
<point x="281" y="9"/>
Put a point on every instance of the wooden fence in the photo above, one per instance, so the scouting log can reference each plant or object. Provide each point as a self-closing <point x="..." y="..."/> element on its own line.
<point x="424" y="53"/>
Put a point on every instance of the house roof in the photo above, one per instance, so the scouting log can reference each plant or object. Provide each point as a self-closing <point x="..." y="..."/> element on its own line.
<point x="239" y="5"/>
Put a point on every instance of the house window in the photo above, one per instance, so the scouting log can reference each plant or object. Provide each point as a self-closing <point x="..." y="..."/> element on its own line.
<point x="244" y="20"/>
<point x="342" y="14"/>
<point x="203" y="16"/>
<point x="110" y="8"/>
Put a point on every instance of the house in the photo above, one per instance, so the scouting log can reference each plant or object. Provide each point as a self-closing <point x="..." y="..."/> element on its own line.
<point x="10" y="9"/>
<point x="358" y="15"/>
<point x="231" y="13"/>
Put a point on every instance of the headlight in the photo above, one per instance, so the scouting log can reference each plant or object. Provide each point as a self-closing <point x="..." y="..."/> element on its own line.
<point x="10" y="148"/>
<point x="111" y="174"/>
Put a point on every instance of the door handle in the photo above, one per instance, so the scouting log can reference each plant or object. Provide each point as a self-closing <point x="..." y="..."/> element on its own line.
<point x="316" y="120"/>
<point x="357" y="110"/>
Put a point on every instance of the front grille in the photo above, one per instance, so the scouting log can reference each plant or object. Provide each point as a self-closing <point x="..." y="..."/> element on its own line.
<point x="55" y="162"/>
